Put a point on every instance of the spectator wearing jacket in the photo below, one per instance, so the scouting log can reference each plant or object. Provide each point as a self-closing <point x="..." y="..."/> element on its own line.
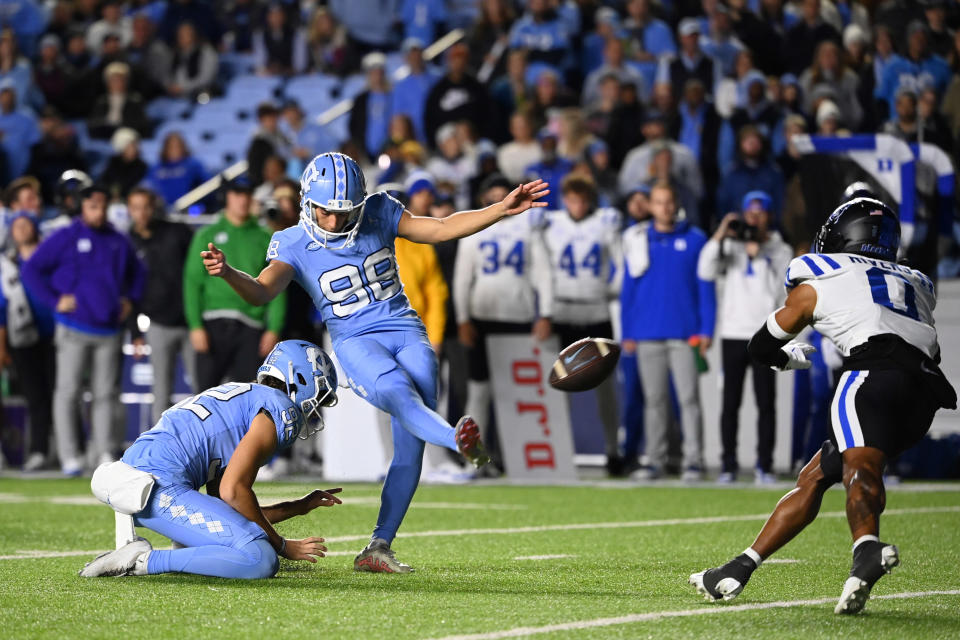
<point x="751" y="259"/>
<point x="229" y="335"/>
<point x="665" y="306"/>
<point x="89" y="274"/>
<point x="162" y="246"/>
<point x="26" y="325"/>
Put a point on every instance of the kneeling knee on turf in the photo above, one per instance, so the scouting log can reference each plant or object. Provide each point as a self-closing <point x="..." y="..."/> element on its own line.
<point x="264" y="561"/>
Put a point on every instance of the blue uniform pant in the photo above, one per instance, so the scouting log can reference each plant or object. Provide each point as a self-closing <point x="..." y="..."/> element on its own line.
<point x="220" y="541"/>
<point x="396" y="371"/>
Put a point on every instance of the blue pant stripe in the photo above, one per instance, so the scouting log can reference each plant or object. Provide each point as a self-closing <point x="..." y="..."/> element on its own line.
<point x="842" y="411"/>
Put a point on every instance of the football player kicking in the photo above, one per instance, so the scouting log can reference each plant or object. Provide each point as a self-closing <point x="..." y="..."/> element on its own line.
<point x="342" y="254"/>
<point x="880" y="315"/>
<point x="220" y="438"/>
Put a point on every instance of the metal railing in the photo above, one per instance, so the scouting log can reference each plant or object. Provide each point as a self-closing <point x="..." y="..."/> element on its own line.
<point x="342" y="108"/>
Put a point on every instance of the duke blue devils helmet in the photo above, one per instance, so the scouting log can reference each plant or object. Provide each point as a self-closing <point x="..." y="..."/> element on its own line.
<point x="334" y="182"/>
<point x="863" y="226"/>
<point x="309" y="376"/>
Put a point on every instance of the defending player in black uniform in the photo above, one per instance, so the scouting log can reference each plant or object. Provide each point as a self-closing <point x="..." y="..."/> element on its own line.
<point x="880" y="316"/>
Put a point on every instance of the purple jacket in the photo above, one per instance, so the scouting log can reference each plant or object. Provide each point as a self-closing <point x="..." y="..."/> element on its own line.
<point x="97" y="266"/>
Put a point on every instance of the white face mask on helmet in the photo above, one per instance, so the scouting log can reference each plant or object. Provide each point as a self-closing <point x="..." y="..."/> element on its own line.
<point x="334" y="182"/>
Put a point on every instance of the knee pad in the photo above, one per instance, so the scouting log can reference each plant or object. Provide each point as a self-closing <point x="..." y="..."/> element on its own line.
<point x="831" y="462"/>
<point x="264" y="560"/>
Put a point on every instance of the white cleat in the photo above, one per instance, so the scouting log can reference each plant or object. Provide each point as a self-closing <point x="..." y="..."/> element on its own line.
<point x="726" y="589"/>
<point x="856" y="591"/>
<point x="128" y="560"/>
<point x="378" y="557"/>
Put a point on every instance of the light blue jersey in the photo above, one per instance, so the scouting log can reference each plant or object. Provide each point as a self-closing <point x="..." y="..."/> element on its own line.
<point x="195" y="439"/>
<point x="356" y="289"/>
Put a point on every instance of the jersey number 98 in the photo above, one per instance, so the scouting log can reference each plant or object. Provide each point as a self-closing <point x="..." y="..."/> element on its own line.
<point x="350" y="291"/>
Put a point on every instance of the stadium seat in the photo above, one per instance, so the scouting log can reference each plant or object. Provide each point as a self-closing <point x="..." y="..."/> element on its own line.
<point x="253" y="88"/>
<point x="313" y="93"/>
<point x="164" y="108"/>
<point x="150" y="150"/>
<point x="353" y="86"/>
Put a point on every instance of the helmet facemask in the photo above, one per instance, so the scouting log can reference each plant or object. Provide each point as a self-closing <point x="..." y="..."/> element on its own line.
<point x="324" y="238"/>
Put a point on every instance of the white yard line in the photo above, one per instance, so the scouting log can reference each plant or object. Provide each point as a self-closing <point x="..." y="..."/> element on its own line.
<point x="780" y="561"/>
<point x="31" y="555"/>
<point x="629" y="525"/>
<point x="682" y="613"/>
<point x="366" y="501"/>
<point x="555" y="556"/>
<point x="578" y="526"/>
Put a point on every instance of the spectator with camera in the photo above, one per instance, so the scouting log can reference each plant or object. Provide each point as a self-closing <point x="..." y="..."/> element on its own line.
<point x="751" y="258"/>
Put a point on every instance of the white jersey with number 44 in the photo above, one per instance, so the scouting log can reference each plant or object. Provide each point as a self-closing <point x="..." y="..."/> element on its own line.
<point x="582" y="258"/>
<point x="860" y="297"/>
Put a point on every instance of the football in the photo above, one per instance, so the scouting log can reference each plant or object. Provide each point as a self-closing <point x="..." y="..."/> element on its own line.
<point x="584" y="364"/>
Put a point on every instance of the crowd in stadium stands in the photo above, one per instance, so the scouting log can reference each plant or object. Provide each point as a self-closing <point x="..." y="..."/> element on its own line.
<point x="675" y="115"/>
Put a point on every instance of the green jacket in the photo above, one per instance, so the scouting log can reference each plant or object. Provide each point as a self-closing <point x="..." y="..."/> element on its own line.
<point x="208" y="298"/>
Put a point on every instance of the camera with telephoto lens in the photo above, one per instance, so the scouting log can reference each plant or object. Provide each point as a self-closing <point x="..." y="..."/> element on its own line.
<point x="271" y="209"/>
<point x="743" y="231"/>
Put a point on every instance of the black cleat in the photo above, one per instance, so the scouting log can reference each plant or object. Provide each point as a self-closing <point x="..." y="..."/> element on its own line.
<point x="871" y="561"/>
<point x="726" y="582"/>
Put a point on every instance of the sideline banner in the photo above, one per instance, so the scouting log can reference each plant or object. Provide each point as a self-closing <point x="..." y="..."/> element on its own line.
<point x="533" y="418"/>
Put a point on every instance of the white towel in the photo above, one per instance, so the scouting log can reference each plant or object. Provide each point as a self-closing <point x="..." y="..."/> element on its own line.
<point x="636" y="249"/>
<point x="121" y="486"/>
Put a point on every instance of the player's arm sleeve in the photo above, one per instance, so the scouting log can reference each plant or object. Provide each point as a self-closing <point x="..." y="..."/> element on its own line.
<point x="276" y="308"/>
<point x="193" y="281"/>
<point x="542" y="275"/>
<point x="393" y="209"/>
<point x="436" y="293"/>
<point x="463" y="279"/>
<point x="799" y="270"/>
<point x="287" y="420"/>
<point x="36" y="271"/>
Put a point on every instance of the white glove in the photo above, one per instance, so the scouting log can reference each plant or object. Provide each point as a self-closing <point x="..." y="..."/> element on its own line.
<point x="797" y="353"/>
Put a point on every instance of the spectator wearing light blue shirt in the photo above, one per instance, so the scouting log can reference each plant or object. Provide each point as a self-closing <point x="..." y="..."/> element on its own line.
<point x="20" y="132"/>
<point x="719" y="42"/>
<point x="409" y="95"/>
<point x="608" y="26"/>
<point x="370" y="116"/>
<point x="613" y="63"/>
<point x="308" y="139"/>
<point x="369" y="23"/>
<point x="544" y="33"/>
<point x="918" y="69"/>
<point x="423" y="19"/>
<point x="650" y="38"/>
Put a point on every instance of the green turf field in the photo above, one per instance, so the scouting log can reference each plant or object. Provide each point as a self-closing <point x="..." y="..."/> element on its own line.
<point x="629" y="554"/>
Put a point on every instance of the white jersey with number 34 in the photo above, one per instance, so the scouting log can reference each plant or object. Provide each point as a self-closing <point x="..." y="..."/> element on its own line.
<point x="860" y="297"/>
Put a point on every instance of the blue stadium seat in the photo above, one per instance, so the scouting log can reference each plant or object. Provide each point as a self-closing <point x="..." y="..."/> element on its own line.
<point x="150" y="150"/>
<point x="313" y="93"/>
<point x="353" y="86"/>
<point x="221" y="111"/>
<point x="254" y="88"/>
<point x="164" y="108"/>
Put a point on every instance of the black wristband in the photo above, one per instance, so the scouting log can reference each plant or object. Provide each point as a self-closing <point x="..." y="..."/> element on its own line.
<point x="764" y="348"/>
